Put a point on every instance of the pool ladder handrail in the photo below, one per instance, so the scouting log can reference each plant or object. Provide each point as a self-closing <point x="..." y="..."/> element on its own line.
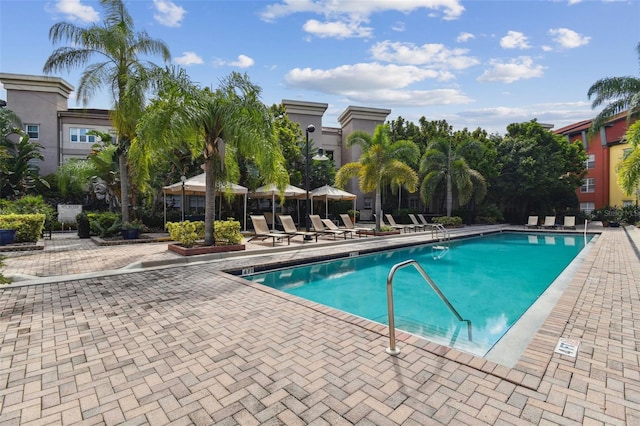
<point x="438" y="227"/>
<point x="392" y="349"/>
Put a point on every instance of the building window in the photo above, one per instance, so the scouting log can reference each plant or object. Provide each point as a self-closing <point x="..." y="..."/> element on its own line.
<point x="413" y="203"/>
<point x="627" y="203"/>
<point x="590" y="162"/>
<point x="33" y="130"/>
<point x="368" y="202"/>
<point x="80" y="135"/>
<point x="589" y="185"/>
<point x="587" y="207"/>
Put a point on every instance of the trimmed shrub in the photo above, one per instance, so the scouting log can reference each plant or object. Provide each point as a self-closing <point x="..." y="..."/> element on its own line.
<point x="448" y="221"/>
<point x="28" y="226"/>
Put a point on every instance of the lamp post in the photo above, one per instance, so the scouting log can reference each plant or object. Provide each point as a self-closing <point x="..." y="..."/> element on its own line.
<point x="310" y="129"/>
<point x="319" y="157"/>
<point x="183" y="178"/>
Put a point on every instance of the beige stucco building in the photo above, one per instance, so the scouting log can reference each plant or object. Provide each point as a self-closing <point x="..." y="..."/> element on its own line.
<point x="42" y="104"/>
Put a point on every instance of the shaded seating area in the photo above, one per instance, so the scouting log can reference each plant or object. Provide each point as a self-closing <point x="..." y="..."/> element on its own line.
<point x="262" y="232"/>
<point x="290" y="228"/>
<point x="532" y="222"/>
<point x="320" y="228"/>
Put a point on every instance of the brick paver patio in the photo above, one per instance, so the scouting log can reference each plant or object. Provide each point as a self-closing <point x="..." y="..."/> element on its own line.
<point x="194" y="345"/>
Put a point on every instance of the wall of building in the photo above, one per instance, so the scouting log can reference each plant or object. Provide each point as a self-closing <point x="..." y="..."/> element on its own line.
<point x="82" y="119"/>
<point x="37" y="100"/>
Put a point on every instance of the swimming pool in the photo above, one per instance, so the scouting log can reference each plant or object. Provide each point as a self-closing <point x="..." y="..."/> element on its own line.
<point x="491" y="281"/>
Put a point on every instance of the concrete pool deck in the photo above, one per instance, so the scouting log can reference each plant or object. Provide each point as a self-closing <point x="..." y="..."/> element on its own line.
<point x="190" y="344"/>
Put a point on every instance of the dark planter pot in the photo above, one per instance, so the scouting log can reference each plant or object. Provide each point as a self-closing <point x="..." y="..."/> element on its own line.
<point x="7" y="236"/>
<point x="130" y="234"/>
<point x="84" y="229"/>
<point x="614" y="224"/>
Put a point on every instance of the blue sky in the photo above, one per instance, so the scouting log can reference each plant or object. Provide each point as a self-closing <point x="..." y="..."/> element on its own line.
<point x="473" y="63"/>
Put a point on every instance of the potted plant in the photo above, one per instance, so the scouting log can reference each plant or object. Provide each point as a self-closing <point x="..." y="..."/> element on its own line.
<point x="131" y="230"/>
<point x="354" y="215"/>
<point x="84" y="229"/>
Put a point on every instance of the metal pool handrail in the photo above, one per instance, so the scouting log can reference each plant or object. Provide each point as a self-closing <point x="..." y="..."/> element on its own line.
<point x="392" y="350"/>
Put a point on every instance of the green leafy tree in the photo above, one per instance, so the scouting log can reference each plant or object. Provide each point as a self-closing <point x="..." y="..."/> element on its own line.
<point x="629" y="169"/>
<point x="19" y="170"/>
<point x="539" y="171"/>
<point x="120" y="68"/>
<point x="446" y="171"/>
<point x="380" y="163"/>
<point x="618" y="94"/>
<point x="220" y="127"/>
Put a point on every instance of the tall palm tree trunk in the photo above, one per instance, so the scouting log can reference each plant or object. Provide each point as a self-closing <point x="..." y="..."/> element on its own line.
<point x="449" y="195"/>
<point x="378" y="207"/>
<point x="210" y="203"/>
<point x="124" y="187"/>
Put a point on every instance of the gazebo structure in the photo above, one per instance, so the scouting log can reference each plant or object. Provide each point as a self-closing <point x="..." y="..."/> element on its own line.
<point x="197" y="186"/>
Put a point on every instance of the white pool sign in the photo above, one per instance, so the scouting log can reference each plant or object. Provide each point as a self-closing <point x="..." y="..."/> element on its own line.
<point x="567" y="347"/>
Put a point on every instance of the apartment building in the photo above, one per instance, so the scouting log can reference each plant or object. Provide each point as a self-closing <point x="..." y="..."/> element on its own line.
<point x="42" y="104"/>
<point x="605" y="150"/>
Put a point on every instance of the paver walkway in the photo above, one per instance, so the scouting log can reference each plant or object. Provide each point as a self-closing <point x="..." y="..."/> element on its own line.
<point x="193" y="345"/>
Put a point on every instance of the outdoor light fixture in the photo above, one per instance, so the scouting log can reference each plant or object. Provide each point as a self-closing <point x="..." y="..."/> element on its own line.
<point x="183" y="178"/>
<point x="318" y="157"/>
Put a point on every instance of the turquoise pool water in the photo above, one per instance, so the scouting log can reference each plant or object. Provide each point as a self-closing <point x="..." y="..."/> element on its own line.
<point x="490" y="280"/>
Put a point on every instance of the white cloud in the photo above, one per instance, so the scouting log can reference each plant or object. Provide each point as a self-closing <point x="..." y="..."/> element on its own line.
<point x="188" y="58"/>
<point x="572" y="2"/>
<point x="409" y="98"/>
<point x="74" y="10"/>
<point x="430" y="54"/>
<point x="464" y="37"/>
<point x="399" y="26"/>
<point x="568" y="39"/>
<point x="336" y="29"/>
<point x="374" y="83"/>
<point x="521" y="68"/>
<point x="358" y="77"/>
<point x="169" y="14"/>
<point x="243" y="61"/>
<point x="351" y="14"/>
<point x="514" y="40"/>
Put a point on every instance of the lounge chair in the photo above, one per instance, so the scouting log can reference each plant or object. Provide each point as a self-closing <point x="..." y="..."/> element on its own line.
<point x="290" y="228"/>
<point x="532" y="222"/>
<point x="395" y="225"/>
<point x="415" y="222"/>
<point x="569" y="222"/>
<point x="348" y="224"/>
<point x="549" y="222"/>
<point x="319" y="227"/>
<point x="333" y="227"/>
<point x="262" y="231"/>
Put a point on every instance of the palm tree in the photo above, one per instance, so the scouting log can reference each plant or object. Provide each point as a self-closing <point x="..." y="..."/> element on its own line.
<point x="120" y="69"/>
<point x="621" y="93"/>
<point x="629" y="169"/>
<point x="381" y="162"/>
<point x="443" y="164"/>
<point x="218" y="126"/>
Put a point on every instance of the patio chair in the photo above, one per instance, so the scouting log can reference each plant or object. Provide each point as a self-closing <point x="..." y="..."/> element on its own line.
<point x="393" y="224"/>
<point x="348" y="224"/>
<point x="532" y="222"/>
<point x="290" y="228"/>
<point x="549" y="222"/>
<point x="569" y="222"/>
<point x="416" y="223"/>
<point x="263" y="232"/>
<point x="333" y="227"/>
<point x="320" y="228"/>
